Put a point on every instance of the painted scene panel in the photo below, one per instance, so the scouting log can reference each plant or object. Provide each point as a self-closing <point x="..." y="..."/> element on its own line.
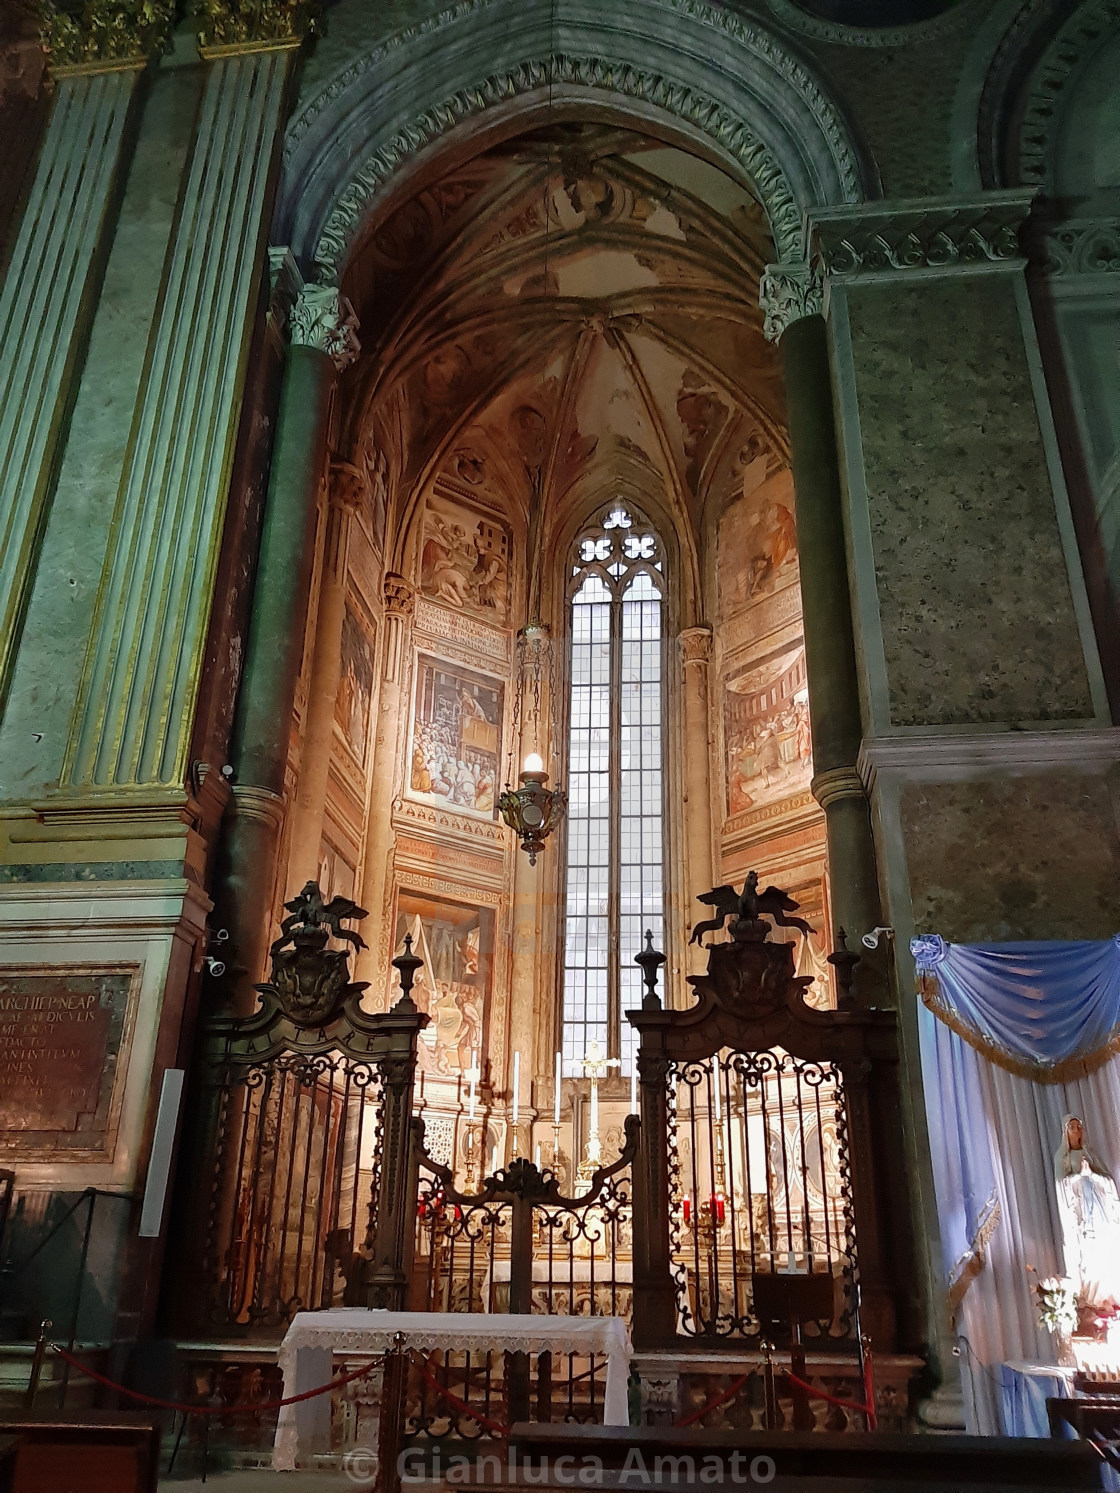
<point x="766" y="730"/>
<point x="456" y="738"/>
<point x="757" y="541"/>
<point x="355" y="685"/>
<point x="456" y="943"/>
<point x="464" y="562"/>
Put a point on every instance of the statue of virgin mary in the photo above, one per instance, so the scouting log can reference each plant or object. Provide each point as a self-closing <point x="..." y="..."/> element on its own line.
<point x="1089" y="1207"/>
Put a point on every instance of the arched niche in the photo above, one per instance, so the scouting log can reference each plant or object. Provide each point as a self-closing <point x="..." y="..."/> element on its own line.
<point x="721" y="85"/>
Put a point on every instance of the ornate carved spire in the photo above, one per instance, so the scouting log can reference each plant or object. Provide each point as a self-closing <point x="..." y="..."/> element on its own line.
<point x="102" y="35"/>
<point x="324" y="319"/>
<point x="251" y="25"/>
<point x="786" y="293"/>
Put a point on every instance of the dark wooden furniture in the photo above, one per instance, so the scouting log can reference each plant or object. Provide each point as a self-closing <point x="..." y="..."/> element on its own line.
<point x="82" y="1452"/>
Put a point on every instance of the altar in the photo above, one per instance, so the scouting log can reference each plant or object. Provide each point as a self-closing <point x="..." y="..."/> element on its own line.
<point x="313" y="1340"/>
<point x="1024" y="1390"/>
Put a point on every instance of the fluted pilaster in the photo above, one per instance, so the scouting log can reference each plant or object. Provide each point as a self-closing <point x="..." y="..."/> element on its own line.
<point x="44" y="308"/>
<point x="135" y="707"/>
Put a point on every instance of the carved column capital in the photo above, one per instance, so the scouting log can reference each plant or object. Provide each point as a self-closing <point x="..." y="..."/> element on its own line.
<point x="348" y="485"/>
<point x="400" y="598"/>
<point x="787" y="293"/>
<point x="323" y="319"/>
<point x="696" y="645"/>
<point x="96" y="36"/>
<point x="231" y="26"/>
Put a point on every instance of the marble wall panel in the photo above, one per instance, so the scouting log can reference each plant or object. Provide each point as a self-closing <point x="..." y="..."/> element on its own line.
<point x="1050" y="866"/>
<point x="977" y="613"/>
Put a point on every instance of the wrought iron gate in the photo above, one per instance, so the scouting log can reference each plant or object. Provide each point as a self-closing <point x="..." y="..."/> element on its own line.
<point x="756" y="1175"/>
<point x="299" y="1172"/>
<point x="760" y="1194"/>
<point x="295" y="1183"/>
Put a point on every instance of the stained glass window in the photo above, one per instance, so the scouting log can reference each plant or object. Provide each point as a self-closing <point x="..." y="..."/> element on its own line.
<point x="615" y="830"/>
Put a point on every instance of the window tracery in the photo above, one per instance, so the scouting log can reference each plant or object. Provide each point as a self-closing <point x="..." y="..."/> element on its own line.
<point x="615" y="866"/>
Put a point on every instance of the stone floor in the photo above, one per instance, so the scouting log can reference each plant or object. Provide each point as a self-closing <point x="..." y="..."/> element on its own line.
<point x="260" y="1481"/>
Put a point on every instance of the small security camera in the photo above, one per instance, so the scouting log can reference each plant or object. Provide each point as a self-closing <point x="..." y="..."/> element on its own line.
<point x="871" y="940"/>
<point x="215" y="966"/>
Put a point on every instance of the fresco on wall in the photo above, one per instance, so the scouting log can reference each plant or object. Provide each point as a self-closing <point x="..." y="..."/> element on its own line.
<point x="766" y="731"/>
<point x="464" y="561"/>
<point x="453" y="986"/>
<point x="355" y="685"/>
<point x="757" y="539"/>
<point x="456" y="738"/>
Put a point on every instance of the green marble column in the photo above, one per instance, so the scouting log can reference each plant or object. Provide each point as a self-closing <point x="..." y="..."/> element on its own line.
<point x="322" y="341"/>
<point x="792" y="301"/>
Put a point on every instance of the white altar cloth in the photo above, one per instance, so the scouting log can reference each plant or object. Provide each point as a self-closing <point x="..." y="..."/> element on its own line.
<point x="307" y="1354"/>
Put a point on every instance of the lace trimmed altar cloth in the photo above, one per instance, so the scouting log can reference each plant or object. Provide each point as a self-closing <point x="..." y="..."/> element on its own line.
<point x="307" y="1352"/>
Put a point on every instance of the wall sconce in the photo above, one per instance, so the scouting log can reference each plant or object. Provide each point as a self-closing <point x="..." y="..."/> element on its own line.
<point x="532" y="810"/>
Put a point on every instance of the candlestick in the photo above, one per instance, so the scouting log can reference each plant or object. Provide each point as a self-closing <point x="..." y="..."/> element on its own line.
<point x="715" y="1085"/>
<point x="516" y="1084"/>
<point x="473" y="1075"/>
<point x="556" y="1094"/>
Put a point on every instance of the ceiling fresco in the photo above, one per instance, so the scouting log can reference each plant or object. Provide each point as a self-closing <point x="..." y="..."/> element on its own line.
<point x="568" y="314"/>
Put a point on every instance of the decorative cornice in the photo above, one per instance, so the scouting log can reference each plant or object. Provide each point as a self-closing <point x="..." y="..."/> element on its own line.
<point x="932" y="757"/>
<point x="323" y="319"/>
<point x="696" y="645"/>
<point x="787" y="293"/>
<point x="1082" y="35"/>
<point x="104" y="35"/>
<point x="923" y="234"/>
<point x="839" y="782"/>
<point x="1080" y="246"/>
<point x="231" y="26"/>
<point x="915" y="34"/>
<point x="727" y="128"/>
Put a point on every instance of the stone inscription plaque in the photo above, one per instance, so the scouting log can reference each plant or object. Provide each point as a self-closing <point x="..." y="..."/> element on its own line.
<point x="61" y="1035"/>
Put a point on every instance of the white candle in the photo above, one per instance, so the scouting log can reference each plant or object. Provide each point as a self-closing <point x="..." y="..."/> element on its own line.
<point x="537" y="1156"/>
<point x="634" y="1089"/>
<point x="516" y="1083"/>
<point x="715" y="1086"/>
<point x="556" y="1097"/>
<point x="473" y="1075"/>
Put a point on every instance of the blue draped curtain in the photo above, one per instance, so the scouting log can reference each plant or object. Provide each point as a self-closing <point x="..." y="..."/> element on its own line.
<point x="992" y="1016"/>
<point x="1047" y="1011"/>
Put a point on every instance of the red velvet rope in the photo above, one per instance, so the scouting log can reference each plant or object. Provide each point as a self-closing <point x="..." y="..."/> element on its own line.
<point x="819" y="1394"/>
<point x="453" y="1399"/>
<point x="133" y="1394"/>
<point x="716" y="1403"/>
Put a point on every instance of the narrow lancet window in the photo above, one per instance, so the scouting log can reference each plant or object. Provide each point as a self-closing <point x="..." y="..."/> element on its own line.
<point x="616" y="819"/>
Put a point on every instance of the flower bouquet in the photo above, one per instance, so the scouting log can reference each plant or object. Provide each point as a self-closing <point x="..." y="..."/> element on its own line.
<point x="1058" y="1311"/>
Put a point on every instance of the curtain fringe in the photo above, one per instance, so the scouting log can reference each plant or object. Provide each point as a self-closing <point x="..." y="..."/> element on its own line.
<point x="1080" y="1065"/>
<point x="971" y="1266"/>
